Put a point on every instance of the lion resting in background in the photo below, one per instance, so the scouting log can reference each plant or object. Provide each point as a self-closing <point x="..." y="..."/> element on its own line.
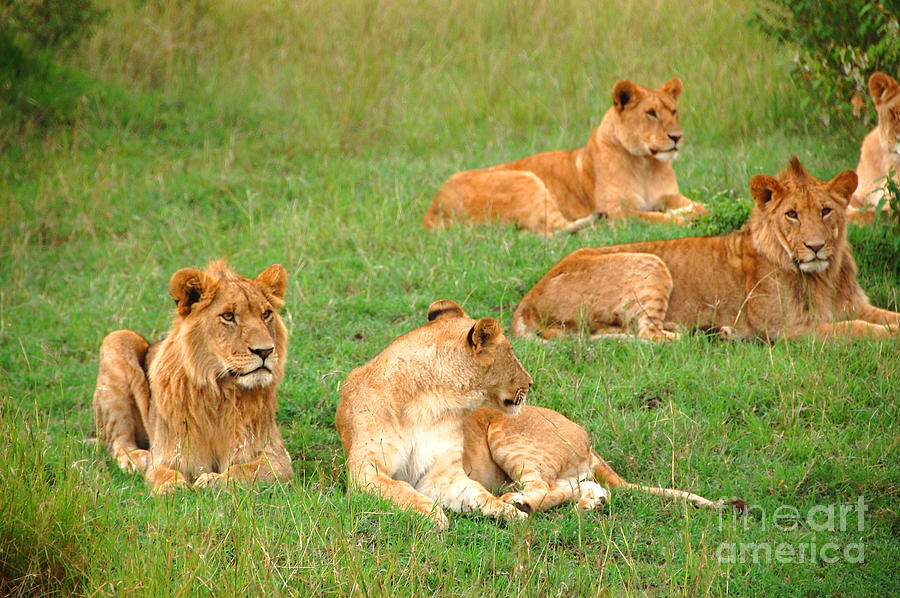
<point x="880" y="151"/>
<point x="624" y="170"/>
<point x="551" y="457"/>
<point x="198" y="407"/>
<point x="787" y="272"/>
<point x="400" y="416"/>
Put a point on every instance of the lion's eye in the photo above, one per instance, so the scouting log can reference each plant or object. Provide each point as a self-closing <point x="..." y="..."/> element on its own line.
<point x="267" y="315"/>
<point x="227" y="316"/>
<point x="791" y="214"/>
<point x="651" y="113"/>
<point x="825" y="212"/>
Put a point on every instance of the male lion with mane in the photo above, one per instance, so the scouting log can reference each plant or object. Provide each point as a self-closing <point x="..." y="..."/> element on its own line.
<point x="880" y="151"/>
<point x="786" y="273"/>
<point x="400" y="416"/>
<point x="198" y="407"/>
<point x="624" y="170"/>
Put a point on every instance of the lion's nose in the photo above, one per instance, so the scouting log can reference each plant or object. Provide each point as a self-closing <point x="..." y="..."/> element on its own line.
<point x="675" y="138"/>
<point x="815" y="247"/>
<point x="263" y="352"/>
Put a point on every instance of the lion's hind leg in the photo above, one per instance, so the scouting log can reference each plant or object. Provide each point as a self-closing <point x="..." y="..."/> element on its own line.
<point x="121" y="399"/>
<point x="518" y="197"/>
<point x="539" y="494"/>
<point x="606" y="293"/>
<point x="549" y="471"/>
<point x="591" y="495"/>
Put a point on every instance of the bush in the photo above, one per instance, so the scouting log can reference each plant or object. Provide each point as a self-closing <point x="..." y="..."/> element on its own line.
<point x="47" y="23"/>
<point x="836" y="45"/>
<point x="34" y="87"/>
<point x="876" y="248"/>
<point x="727" y="212"/>
<point x="891" y="199"/>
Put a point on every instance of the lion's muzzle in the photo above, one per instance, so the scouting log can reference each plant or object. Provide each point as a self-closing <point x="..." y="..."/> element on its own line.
<point x="517" y="401"/>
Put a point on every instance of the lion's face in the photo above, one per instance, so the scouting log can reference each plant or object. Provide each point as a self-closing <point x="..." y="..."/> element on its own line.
<point x="886" y="95"/>
<point x="505" y="380"/>
<point x="231" y="325"/>
<point x="800" y="221"/>
<point x="648" y="119"/>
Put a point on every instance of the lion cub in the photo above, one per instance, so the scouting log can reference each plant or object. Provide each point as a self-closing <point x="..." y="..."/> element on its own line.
<point x="787" y="272"/>
<point x="198" y="407"/>
<point x="880" y="152"/>
<point x="551" y="457"/>
<point x="624" y="170"/>
<point x="400" y="416"/>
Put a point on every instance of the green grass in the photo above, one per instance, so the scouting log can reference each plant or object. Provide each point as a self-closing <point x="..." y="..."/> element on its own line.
<point x="315" y="135"/>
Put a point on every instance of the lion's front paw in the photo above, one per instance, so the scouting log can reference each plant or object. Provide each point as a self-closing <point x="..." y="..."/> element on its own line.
<point x="666" y="336"/>
<point x="684" y="214"/>
<point x="518" y="501"/>
<point x="727" y="333"/>
<point x="133" y="461"/>
<point x="170" y="486"/>
<point x="210" y="479"/>
<point x="698" y="209"/>
<point x="677" y="217"/>
<point x="440" y="520"/>
<point x="657" y="334"/>
<point x="513" y="511"/>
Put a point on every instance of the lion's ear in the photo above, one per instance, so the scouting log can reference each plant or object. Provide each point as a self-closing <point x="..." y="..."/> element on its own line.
<point x="673" y="87"/>
<point x="763" y="188"/>
<point x="624" y="92"/>
<point x="484" y="333"/>
<point x="882" y="87"/>
<point x="189" y="287"/>
<point x="274" y="280"/>
<point x="443" y="309"/>
<point x="844" y="185"/>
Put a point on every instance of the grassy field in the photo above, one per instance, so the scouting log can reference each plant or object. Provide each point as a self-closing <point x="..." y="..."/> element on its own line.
<point x="314" y="134"/>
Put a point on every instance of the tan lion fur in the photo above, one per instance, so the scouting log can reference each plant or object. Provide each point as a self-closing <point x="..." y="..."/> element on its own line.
<point x="624" y="170"/>
<point x="880" y="151"/>
<point x="550" y="457"/>
<point x="787" y="272"/>
<point x="199" y="406"/>
<point x="400" y="416"/>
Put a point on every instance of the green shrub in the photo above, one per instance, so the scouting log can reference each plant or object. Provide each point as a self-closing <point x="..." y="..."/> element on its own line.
<point x="727" y="212"/>
<point x="35" y="87"/>
<point x="876" y="249"/>
<point x="48" y="23"/>
<point x="891" y="198"/>
<point x="835" y="47"/>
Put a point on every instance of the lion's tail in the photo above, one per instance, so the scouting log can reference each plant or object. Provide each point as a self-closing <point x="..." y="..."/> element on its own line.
<point x="605" y="474"/>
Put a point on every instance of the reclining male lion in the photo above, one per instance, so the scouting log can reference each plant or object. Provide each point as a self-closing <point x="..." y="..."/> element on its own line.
<point x="624" y="170"/>
<point x="787" y="272"/>
<point x="400" y="416"/>
<point x="880" y="151"/>
<point x="198" y="407"/>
